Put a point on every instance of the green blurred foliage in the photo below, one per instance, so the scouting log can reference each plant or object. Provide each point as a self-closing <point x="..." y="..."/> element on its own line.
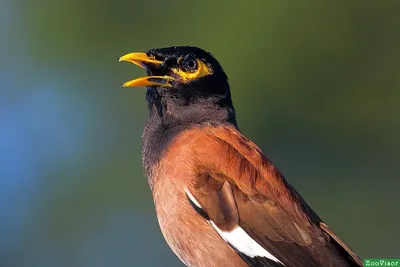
<point x="315" y="84"/>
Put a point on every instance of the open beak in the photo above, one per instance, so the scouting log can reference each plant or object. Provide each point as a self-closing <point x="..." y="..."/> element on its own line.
<point x="146" y="62"/>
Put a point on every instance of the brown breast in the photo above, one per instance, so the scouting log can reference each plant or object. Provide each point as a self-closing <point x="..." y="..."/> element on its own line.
<point x="188" y="234"/>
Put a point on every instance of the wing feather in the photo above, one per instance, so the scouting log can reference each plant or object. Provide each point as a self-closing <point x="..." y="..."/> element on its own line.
<point x="238" y="186"/>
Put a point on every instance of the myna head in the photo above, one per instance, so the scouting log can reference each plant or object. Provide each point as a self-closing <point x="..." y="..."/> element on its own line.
<point x="186" y="83"/>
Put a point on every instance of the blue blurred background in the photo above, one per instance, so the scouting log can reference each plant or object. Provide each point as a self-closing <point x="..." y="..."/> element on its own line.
<point x="315" y="84"/>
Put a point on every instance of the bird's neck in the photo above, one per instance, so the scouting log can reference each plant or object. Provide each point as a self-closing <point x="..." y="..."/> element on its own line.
<point x="167" y="120"/>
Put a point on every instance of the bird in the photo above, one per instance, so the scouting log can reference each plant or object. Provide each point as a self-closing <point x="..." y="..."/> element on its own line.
<point x="219" y="200"/>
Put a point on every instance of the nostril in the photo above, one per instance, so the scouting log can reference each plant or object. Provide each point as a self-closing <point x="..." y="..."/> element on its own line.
<point x="153" y="54"/>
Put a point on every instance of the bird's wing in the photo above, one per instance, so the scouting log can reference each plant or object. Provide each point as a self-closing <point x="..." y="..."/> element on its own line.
<point x="250" y="204"/>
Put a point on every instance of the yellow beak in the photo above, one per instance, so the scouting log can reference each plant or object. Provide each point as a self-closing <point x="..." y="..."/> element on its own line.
<point x="146" y="62"/>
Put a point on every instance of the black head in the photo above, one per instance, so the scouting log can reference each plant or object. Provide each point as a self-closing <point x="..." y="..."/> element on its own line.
<point x="184" y="85"/>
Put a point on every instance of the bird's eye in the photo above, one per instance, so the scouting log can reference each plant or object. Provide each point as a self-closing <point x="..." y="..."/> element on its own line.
<point x="189" y="65"/>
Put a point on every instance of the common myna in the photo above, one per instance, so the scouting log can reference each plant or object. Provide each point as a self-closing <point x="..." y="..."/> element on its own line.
<point x="219" y="200"/>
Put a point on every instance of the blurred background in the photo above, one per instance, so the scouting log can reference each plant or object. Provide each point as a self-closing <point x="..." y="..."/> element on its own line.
<point x="315" y="84"/>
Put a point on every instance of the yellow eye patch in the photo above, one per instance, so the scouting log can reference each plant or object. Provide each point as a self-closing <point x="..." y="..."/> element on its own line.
<point x="188" y="76"/>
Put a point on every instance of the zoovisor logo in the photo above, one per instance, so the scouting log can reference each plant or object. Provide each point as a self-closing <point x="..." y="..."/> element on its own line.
<point x="382" y="262"/>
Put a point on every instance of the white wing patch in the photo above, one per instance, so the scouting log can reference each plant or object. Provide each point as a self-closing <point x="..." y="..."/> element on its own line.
<point x="242" y="242"/>
<point x="238" y="238"/>
<point x="192" y="198"/>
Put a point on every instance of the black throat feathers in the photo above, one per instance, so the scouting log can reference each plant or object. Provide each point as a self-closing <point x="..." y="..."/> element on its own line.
<point x="167" y="118"/>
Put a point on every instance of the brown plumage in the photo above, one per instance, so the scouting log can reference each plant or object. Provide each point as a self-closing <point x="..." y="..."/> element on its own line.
<point x="219" y="200"/>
